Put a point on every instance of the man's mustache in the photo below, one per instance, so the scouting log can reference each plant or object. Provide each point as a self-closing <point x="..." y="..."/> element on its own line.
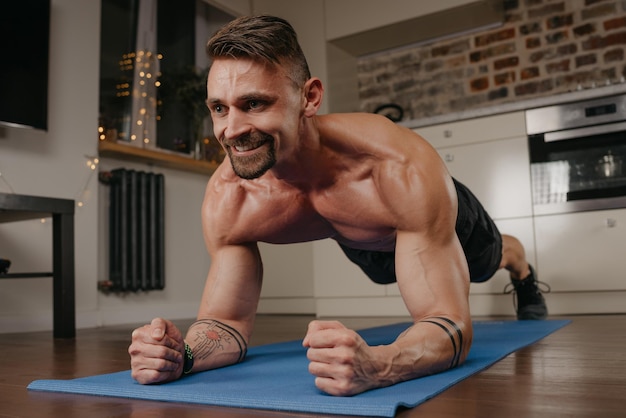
<point x="252" y="138"/>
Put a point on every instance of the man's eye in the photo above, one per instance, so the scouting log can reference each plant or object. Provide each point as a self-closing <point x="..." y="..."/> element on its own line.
<point x="254" y="104"/>
<point x="218" y="109"/>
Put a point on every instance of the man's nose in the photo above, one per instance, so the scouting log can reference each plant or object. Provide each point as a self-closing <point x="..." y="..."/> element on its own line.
<point x="236" y="125"/>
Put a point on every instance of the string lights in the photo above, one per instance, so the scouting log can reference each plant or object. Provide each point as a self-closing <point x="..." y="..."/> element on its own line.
<point x="4" y="180"/>
<point x="144" y="66"/>
<point x="83" y="194"/>
<point x="145" y="97"/>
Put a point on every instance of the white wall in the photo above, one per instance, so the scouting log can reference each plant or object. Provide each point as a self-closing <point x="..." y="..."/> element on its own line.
<point x="186" y="258"/>
<point x="53" y="164"/>
<point x="234" y="7"/>
<point x="348" y="17"/>
<point x="307" y="18"/>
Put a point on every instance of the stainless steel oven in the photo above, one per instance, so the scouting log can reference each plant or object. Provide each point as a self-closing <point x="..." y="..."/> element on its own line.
<point x="577" y="155"/>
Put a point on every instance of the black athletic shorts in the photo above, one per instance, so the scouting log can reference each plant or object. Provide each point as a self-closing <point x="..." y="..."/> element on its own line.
<point x="479" y="236"/>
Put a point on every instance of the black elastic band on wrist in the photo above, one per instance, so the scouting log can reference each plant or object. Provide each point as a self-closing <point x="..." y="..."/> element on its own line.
<point x="443" y="327"/>
<point x="460" y="335"/>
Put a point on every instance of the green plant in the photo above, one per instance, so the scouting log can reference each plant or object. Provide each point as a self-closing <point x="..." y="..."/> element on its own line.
<point x="187" y="86"/>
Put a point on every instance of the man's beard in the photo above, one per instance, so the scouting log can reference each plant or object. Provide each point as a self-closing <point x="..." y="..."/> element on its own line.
<point x="253" y="166"/>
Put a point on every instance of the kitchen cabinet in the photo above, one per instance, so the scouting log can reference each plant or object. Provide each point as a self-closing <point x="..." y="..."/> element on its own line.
<point x="490" y="156"/>
<point x="342" y="289"/>
<point x="287" y="286"/>
<point x="336" y="276"/>
<point x="474" y="131"/>
<point x="582" y="251"/>
<point x="496" y="172"/>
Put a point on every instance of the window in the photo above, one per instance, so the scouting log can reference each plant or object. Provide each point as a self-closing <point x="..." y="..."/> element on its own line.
<point x="153" y="73"/>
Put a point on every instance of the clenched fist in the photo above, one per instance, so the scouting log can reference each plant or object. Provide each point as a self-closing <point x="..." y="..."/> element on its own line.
<point x="341" y="360"/>
<point x="156" y="352"/>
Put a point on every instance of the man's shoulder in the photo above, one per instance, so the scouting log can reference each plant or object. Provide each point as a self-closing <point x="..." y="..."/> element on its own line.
<point x="357" y="119"/>
<point x="367" y="132"/>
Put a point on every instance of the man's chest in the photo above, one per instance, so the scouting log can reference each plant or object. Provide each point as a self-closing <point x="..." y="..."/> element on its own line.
<point x="359" y="219"/>
<point x="352" y="217"/>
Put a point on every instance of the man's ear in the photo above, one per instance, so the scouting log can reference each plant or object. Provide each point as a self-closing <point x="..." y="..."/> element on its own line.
<point x="313" y="94"/>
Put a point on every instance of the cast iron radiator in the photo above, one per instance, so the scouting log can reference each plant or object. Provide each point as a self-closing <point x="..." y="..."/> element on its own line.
<point x="136" y="230"/>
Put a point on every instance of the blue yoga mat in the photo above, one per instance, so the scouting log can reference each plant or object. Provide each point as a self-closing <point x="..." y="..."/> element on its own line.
<point x="276" y="377"/>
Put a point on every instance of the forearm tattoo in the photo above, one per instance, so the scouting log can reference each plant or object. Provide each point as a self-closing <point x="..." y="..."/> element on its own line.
<point x="451" y="329"/>
<point x="210" y="335"/>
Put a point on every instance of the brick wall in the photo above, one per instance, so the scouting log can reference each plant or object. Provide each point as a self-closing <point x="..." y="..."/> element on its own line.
<point x="545" y="47"/>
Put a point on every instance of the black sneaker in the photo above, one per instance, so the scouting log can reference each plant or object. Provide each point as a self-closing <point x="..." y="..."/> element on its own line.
<point x="530" y="302"/>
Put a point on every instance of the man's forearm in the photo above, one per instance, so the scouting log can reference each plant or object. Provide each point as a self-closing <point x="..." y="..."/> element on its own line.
<point x="453" y="331"/>
<point x="430" y="346"/>
<point x="214" y="344"/>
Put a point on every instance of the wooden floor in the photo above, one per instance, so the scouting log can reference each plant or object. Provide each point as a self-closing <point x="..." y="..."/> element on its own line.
<point x="580" y="371"/>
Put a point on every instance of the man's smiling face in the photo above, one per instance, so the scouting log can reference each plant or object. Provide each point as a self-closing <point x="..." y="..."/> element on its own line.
<point x="256" y="110"/>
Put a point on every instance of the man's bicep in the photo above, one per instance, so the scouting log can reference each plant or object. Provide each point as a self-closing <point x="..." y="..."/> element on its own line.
<point x="432" y="275"/>
<point x="233" y="286"/>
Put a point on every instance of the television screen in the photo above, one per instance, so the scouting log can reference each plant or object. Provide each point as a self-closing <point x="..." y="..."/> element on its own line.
<point x="24" y="49"/>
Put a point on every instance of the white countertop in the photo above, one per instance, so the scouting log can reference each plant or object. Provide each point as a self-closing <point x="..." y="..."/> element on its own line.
<point x="574" y="96"/>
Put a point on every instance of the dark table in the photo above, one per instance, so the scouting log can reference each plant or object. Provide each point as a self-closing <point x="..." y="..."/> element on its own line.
<point x="15" y="207"/>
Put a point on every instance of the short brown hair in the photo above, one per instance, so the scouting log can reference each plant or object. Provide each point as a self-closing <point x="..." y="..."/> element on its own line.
<point x="262" y="38"/>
